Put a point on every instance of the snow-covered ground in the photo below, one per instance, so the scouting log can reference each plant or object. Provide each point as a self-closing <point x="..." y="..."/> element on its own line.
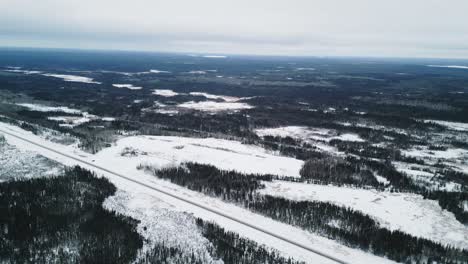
<point x="162" y="151"/>
<point x="449" y="66"/>
<point x="427" y="176"/>
<point x="451" y="155"/>
<point x="66" y="121"/>
<point x="158" y="71"/>
<point x="72" y="78"/>
<point x="213" y="96"/>
<point x="22" y="164"/>
<point x="211" y="106"/>
<point x="410" y="213"/>
<point x="307" y="133"/>
<point x="44" y="108"/>
<point x="127" y="86"/>
<point x="161" y="224"/>
<point x="457" y="126"/>
<point x="125" y="166"/>
<point x="165" y="92"/>
<point x="215" y="56"/>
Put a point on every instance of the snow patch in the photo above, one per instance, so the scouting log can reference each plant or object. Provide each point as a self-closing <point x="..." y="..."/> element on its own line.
<point x="72" y="78"/>
<point x="165" y="92"/>
<point x="128" y="86"/>
<point x="211" y="106"/>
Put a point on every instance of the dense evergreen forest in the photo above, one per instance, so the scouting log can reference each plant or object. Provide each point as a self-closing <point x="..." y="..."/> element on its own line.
<point x="61" y="220"/>
<point x="343" y="224"/>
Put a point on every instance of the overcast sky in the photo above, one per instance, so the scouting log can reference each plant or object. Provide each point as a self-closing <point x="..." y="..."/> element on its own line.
<point x="396" y="28"/>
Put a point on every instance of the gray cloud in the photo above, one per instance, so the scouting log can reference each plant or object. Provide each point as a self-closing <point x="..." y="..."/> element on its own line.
<point x="416" y="28"/>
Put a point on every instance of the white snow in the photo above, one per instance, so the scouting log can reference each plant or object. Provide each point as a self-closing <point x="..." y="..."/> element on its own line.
<point x="166" y="112"/>
<point x="44" y="108"/>
<point x="165" y="92"/>
<point x="160" y="224"/>
<point x="164" y="151"/>
<point x="409" y="213"/>
<point x="22" y="164"/>
<point x="197" y="72"/>
<point x="307" y="133"/>
<point x="305" y="69"/>
<point x="128" y="86"/>
<point x="450" y="66"/>
<point x="215" y="56"/>
<point x="114" y="161"/>
<point x="158" y="71"/>
<point x="457" y="126"/>
<point x="70" y="121"/>
<point x="213" y="96"/>
<point x="211" y="106"/>
<point x="72" y="78"/>
<point x="23" y="71"/>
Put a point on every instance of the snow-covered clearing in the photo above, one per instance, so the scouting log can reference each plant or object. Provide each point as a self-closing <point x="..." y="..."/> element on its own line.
<point x="211" y="106"/>
<point x="215" y="56"/>
<point x="23" y="71"/>
<point x="451" y="155"/>
<point x="158" y="71"/>
<point x="197" y="72"/>
<point x="410" y="213"/>
<point x="128" y="86"/>
<point x="307" y="133"/>
<point x="72" y="78"/>
<point x="66" y="121"/>
<point x="449" y="66"/>
<point x="125" y="166"/>
<point x="44" y="108"/>
<point x="164" y="151"/>
<point x="457" y="126"/>
<point x="161" y="224"/>
<point x="426" y="176"/>
<point x="213" y="96"/>
<point x="165" y="92"/>
<point x="22" y="164"/>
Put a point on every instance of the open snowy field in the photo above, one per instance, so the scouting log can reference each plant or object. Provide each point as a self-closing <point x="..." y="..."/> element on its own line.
<point x="161" y="224"/>
<point x="162" y="151"/>
<point x="44" y="108"/>
<point x="307" y="134"/>
<point x="18" y="164"/>
<point x="457" y="126"/>
<point x="409" y="213"/>
<point x="126" y="168"/>
<point x="72" y="78"/>
<point x="127" y="86"/>
<point x="66" y="121"/>
<point x="212" y="106"/>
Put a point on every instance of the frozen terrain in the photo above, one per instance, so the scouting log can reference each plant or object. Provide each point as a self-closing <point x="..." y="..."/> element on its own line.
<point x="410" y="213"/>
<point x="211" y="106"/>
<point x="44" y="108"/>
<point x="127" y="86"/>
<point x="213" y="96"/>
<point x="72" y="78"/>
<point x="161" y="224"/>
<point x="162" y="151"/>
<point x="457" y="126"/>
<point x="449" y="66"/>
<point x="165" y="92"/>
<point x="112" y="160"/>
<point x="22" y="164"/>
<point x="307" y="133"/>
